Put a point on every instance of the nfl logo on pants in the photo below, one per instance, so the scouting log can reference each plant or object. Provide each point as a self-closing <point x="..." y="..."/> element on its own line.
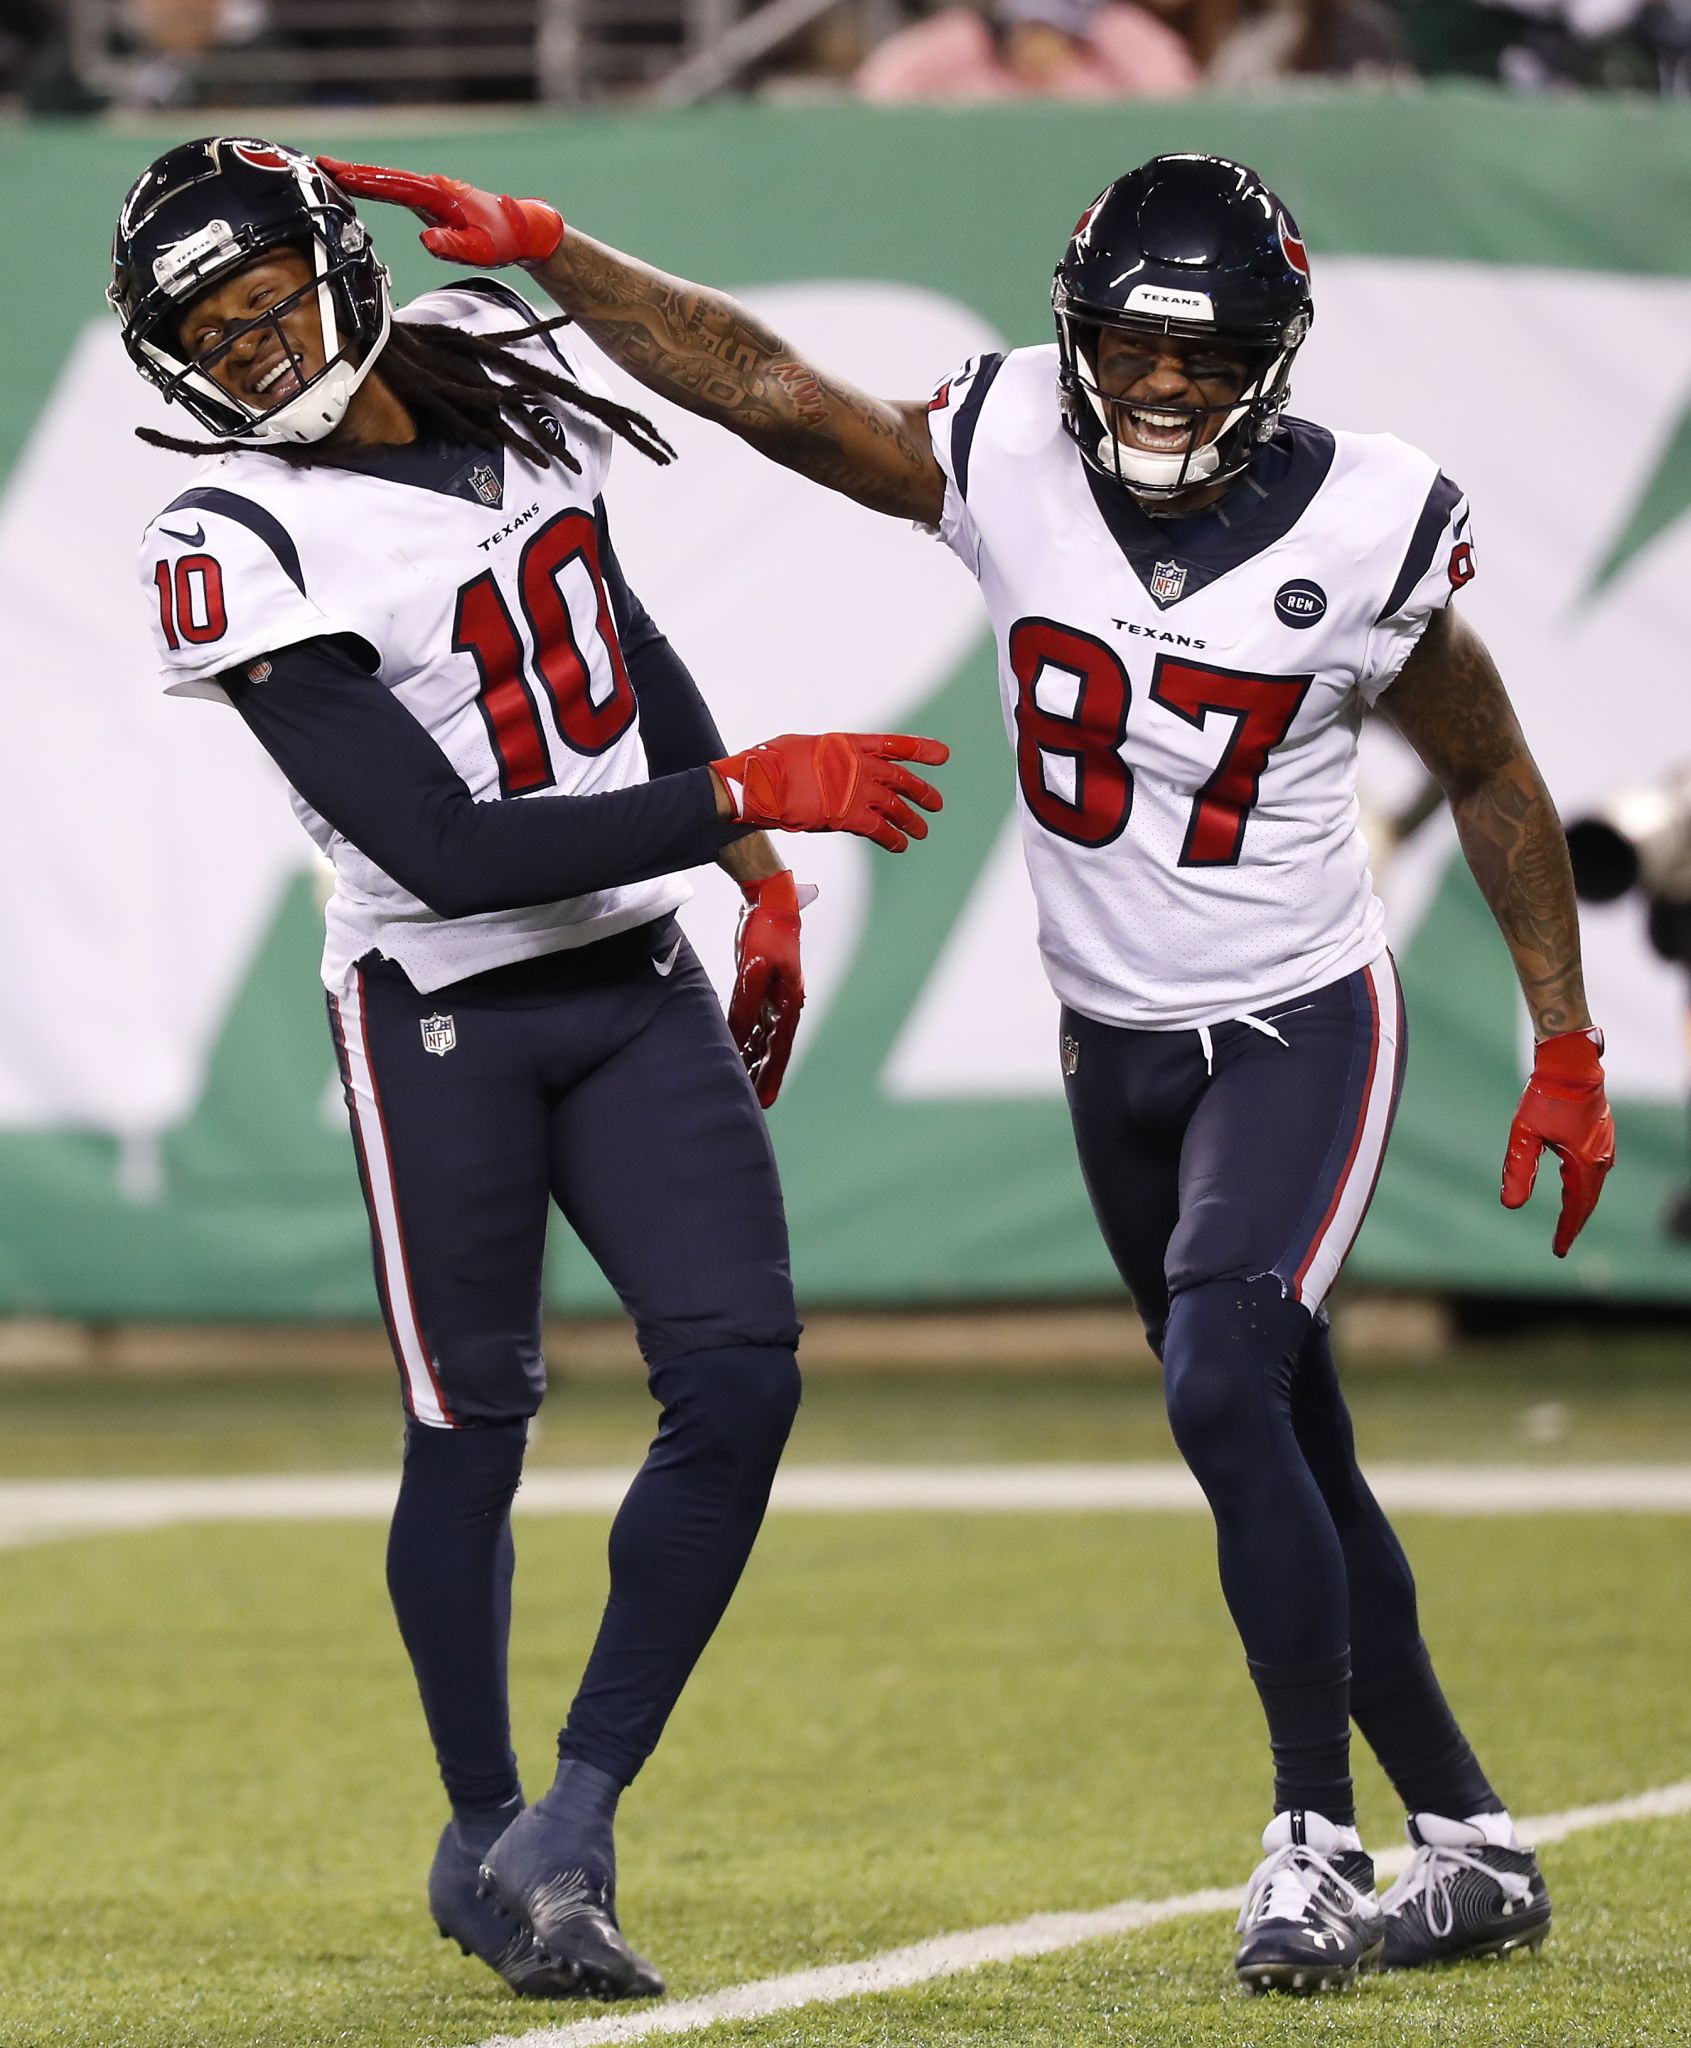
<point x="440" y="1035"/>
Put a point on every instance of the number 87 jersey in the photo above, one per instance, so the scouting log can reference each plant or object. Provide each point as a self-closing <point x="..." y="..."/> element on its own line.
<point x="474" y="577"/>
<point x="1183" y="694"/>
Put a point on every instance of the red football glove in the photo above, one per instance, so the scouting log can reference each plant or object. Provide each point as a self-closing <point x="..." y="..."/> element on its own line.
<point x="769" y="986"/>
<point x="836" y="782"/>
<point x="1563" y="1111"/>
<point x="465" y="224"/>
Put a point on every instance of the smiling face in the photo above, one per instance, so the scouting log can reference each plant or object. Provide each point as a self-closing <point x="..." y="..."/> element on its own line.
<point x="1165" y="387"/>
<point x="261" y="361"/>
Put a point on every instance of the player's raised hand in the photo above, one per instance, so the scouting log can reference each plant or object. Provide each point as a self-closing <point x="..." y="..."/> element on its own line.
<point x="769" y="982"/>
<point x="1565" y="1111"/>
<point x="837" y="782"/>
<point x="465" y="224"/>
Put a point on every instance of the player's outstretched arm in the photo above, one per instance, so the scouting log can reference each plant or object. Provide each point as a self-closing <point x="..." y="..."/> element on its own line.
<point x="352" y="750"/>
<point x="713" y="357"/>
<point x="695" y="346"/>
<point x="1450" y="705"/>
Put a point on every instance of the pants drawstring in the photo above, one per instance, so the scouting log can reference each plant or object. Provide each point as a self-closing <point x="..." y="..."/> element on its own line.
<point x="1262" y="1024"/>
<point x="1258" y="1024"/>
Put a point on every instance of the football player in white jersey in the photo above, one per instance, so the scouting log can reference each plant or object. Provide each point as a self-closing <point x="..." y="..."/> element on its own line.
<point x="1194" y="596"/>
<point x="397" y="566"/>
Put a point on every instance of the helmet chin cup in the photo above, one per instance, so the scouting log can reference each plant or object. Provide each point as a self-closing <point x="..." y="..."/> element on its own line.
<point x="311" y="415"/>
<point x="1156" y="476"/>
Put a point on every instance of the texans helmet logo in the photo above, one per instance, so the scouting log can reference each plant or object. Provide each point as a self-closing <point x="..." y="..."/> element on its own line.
<point x="1296" y="254"/>
<point x="1085" y="221"/>
<point x="263" y="156"/>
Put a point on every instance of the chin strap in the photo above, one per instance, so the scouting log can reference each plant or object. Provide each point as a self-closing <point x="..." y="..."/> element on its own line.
<point x="1140" y="468"/>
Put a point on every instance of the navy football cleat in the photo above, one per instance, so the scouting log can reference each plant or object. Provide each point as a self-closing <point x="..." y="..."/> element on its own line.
<point x="1310" y="1921"/>
<point x="534" y="1875"/>
<point x="481" y="1928"/>
<point x="1463" y="1896"/>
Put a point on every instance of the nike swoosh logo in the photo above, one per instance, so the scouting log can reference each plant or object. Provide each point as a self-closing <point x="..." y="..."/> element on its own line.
<point x="196" y="539"/>
<point x="664" y="962"/>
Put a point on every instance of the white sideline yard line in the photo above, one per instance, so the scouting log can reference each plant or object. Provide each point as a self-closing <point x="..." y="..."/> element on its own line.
<point x="45" y="1510"/>
<point x="949" y="1955"/>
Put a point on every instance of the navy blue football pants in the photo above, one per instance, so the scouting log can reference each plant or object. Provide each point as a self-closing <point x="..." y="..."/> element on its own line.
<point x="1230" y="1170"/>
<point x="602" y="1078"/>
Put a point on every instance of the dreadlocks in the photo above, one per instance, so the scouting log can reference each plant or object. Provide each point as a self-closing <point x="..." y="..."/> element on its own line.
<point x="445" y="377"/>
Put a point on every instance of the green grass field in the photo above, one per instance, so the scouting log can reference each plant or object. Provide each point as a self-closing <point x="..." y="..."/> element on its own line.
<point x="218" y="1807"/>
<point x="1544" y="1402"/>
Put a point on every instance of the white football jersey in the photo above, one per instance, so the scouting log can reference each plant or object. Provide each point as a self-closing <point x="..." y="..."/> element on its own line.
<point x="478" y="586"/>
<point x="1183" y="696"/>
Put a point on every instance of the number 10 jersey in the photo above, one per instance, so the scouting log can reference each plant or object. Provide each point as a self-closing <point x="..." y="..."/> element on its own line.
<point x="1183" y="695"/>
<point x="473" y="576"/>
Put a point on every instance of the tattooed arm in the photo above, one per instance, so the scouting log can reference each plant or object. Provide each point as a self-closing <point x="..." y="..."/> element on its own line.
<point x="1449" y="704"/>
<point x="711" y="356"/>
<point x="694" y="346"/>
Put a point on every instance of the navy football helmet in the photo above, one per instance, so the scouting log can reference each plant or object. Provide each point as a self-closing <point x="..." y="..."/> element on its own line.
<point x="1186" y="245"/>
<point x="194" y="218"/>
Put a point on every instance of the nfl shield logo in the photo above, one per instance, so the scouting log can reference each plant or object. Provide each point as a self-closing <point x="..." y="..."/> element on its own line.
<point x="1071" y="1054"/>
<point x="440" y="1035"/>
<point x="1168" y="580"/>
<point x="485" y="483"/>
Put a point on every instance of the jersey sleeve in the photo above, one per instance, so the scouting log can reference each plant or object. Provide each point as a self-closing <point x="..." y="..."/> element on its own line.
<point x="363" y="763"/>
<point x="1437" y="562"/>
<point x="953" y="416"/>
<point x="225" y="586"/>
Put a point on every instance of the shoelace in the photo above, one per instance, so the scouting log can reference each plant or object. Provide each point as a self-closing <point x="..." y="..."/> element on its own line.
<point x="1283" y="1886"/>
<point x="567" y="1894"/>
<point x="1432" y="1871"/>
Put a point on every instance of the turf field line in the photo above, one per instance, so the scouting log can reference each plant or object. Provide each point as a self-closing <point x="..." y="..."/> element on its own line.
<point x="39" y="1511"/>
<point x="949" y="1955"/>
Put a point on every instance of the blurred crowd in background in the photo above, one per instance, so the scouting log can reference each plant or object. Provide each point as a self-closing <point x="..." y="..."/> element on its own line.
<point x="66" y="57"/>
